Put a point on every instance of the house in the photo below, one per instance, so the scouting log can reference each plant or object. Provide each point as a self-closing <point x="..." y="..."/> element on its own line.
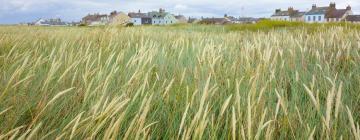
<point x="193" y="20"/>
<point x="95" y="19"/>
<point x="216" y="21"/>
<point x="181" y="19"/>
<point x="231" y="18"/>
<point x="327" y="14"/>
<point x="241" y="20"/>
<point x="162" y="18"/>
<point x="247" y="20"/>
<point x="50" y="22"/>
<point x="316" y="14"/>
<point x="353" y="18"/>
<point x="140" y="18"/>
<point x="119" y="18"/>
<point x="335" y="15"/>
<point x="290" y="15"/>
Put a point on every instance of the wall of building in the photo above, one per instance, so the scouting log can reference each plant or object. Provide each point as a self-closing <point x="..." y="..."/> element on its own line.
<point x="146" y="21"/>
<point x="136" y="21"/>
<point x="168" y="19"/>
<point x="281" y="18"/>
<point x="315" y="18"/>
<point x="298" y="19"/>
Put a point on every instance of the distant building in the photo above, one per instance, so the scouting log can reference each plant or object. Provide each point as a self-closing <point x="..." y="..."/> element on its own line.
<point x="49" y="22"/>
<point x="162" y="18"/>
<point x="246" y="20"/>
<point x="353" y="18"/>
<point x="119" y="18"/>
<point x="193" y="20"/>
<point x="290" y="15"/>
<point x="231" y="18"/>
<point x="216" y="21"/>
<point x="327" y="14"/>
<point x="140" y="18"/>
<point x="315" y="15"/>
<point x="241" y="20"/>
<point x="181" y="19"/>
<point x="95" y="19"/>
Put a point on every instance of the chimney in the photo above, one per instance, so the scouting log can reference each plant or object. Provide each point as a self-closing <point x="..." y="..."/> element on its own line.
<point x="225" y="15"/>
<point x="348" y="7"/>
<point x="313" y="6"/>
<point x="277" y="10"/>
<point x="333" y="5"/>
<point x="290" y="9"/>
<point x="162" y="10"/>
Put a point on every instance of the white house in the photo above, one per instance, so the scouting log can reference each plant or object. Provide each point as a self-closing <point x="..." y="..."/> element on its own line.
<point x="327" y="14"/>
<point x="289" y="15"/>
<point x="280" y="15"/>
<point x="140" y="18"/>
<point x="96" y="19"/>
<point x="162" y="18"/>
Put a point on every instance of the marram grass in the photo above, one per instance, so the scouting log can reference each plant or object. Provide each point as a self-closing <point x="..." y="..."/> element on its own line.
<point x="186" y="82"/>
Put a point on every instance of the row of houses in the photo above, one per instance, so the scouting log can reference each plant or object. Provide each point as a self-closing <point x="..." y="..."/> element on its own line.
<point x="229" y="20"/>
<point x="115" y="18"/>
<point x="160" y="17"/>
<point x="49" y="22"/>
<point x="317" y="14"/>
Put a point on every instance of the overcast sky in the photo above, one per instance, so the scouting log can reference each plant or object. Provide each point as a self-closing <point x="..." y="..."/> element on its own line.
<point x="15" y="11"/>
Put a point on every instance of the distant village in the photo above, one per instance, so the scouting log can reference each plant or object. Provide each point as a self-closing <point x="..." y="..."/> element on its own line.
<point x="316" y="14"/>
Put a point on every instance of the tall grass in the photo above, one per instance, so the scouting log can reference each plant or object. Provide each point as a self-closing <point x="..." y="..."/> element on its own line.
<point x="171" y="83"/>
<point x="269" y="25"/>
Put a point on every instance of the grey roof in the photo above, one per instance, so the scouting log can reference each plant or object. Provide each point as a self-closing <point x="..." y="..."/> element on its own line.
<point x="353" y="18"/>
<point x="317" y="11"/>
<point x="292" y="13"/>
<point x="299" y="14"/>
<point x="138" y="15"/>
<point x="155" y="14"/>
<point x="281" y="13"/>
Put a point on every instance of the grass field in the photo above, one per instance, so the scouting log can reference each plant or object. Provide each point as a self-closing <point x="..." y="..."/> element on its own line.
<point x="179" y="82"/>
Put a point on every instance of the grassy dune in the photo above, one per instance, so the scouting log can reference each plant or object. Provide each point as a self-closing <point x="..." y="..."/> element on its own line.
<point x="181" y="82"/>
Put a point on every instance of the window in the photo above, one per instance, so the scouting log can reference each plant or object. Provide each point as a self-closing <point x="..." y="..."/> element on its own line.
<point x="319" y="18"/>
<point x="309" y="18"/>
<point x="314" y="18"/>
<point x="154" y="21"/>
<point x="134" y="20"/>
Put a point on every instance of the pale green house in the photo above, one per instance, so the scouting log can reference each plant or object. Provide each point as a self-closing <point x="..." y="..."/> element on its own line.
<point x="162" y="18"/>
